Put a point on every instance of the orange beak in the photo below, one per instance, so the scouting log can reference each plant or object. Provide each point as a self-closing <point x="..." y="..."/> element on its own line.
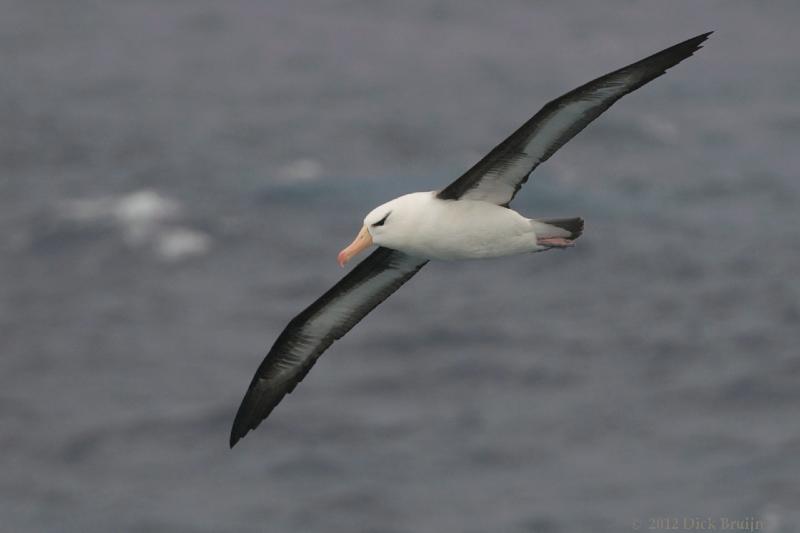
<point x="363" y="240"/>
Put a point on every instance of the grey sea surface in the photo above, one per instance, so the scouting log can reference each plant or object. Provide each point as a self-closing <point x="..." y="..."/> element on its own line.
<point x="176" y="179"/>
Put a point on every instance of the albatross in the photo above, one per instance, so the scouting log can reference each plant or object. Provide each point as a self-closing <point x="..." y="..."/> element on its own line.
<point x="468" y="219"/>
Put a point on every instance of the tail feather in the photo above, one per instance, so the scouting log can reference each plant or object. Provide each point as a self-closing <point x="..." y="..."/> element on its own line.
<point x="569" y="228"/>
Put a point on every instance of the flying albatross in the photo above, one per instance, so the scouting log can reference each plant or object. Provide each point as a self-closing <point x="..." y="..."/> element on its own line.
<point x="469" y="218"/>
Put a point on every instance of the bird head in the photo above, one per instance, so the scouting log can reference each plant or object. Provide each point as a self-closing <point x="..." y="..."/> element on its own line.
<point x="386" y="225"/>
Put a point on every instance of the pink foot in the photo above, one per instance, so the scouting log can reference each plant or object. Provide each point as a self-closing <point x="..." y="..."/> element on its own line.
<point x="555" y="242"/>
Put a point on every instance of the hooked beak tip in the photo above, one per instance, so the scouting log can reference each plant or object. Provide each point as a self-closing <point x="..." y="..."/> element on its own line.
<point x="362" y="241"/>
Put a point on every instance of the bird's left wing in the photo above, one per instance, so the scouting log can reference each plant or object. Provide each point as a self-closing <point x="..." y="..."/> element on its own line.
<point x="497" y="177"/>
<point x="312" y="331"/>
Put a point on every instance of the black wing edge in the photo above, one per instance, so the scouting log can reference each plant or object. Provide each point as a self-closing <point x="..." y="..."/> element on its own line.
<point x="662" y="61"/>
<point x="262" y="396"/>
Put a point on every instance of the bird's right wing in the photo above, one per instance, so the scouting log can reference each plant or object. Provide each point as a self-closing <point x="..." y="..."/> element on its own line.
<point x="312" y="331"/>
<point x="497" y="177"/>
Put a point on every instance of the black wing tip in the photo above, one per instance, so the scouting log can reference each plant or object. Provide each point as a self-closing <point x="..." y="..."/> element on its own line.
<point x="243" y="424"/>
<point x="258" y="402"/>
<point x="248" y="418"/>
<point x="690" y="46"/>
<point x="244" y="420"/>
<point x="678" y="52"/>
<point x="659" y="63"/>
<point x="696" y="43"/>
<point x="238" y="430"/>
<point x="236" y="436"/>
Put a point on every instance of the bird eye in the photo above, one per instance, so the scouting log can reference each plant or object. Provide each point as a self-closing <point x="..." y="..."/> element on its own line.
<point x="382" y="221"/>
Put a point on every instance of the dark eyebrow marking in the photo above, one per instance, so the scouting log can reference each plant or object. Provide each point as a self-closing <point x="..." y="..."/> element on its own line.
<point x="382" y="221"/>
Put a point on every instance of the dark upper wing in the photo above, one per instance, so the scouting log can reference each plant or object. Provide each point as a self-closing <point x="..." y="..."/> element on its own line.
<point x="497" y="177"/>
<point x="313" y="330"/>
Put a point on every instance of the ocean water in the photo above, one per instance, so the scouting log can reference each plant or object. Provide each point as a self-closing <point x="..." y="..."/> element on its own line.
<point x="177" y="177"/>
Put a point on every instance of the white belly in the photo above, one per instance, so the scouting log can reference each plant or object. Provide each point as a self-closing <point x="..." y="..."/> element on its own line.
<point x="464" y="229"/>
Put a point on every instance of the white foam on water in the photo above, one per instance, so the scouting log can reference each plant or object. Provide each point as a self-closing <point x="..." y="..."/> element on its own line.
<point x="146" y="219"/>
<point x="300" y="170"/>
<point x="145" y="206"/>
<point x="659" y="127"/>
<point x="180" y="243"/>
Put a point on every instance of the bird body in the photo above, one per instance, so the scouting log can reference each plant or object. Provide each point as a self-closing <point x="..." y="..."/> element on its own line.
<point x="422" y="225"/>
<point x="468" y="219"/>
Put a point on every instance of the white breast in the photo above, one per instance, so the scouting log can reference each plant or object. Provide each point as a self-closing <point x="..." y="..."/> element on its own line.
<point x="459" y="229"/>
